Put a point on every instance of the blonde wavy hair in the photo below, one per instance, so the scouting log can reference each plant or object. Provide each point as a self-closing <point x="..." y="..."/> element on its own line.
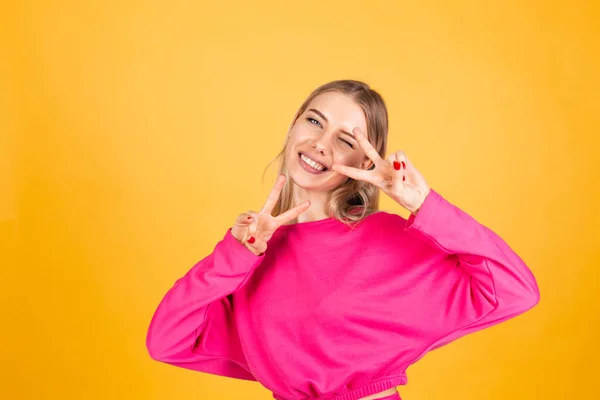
<point x="353" y="200"/>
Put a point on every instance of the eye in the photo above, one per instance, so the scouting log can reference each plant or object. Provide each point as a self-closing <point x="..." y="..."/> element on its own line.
<point x="347" y="142"/>
<point x="314" y="121"/>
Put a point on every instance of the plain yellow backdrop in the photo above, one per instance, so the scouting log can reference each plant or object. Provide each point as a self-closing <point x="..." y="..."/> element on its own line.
<point x="133" y="133"/>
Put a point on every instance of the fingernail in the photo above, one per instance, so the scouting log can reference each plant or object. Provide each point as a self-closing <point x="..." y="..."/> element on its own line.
<point x="249" y="217"/>
<point x="403" y="178"/>
<point x="396" y="165"/>
<point x="261" y="254"/>
<point x="251" y="239"/>
<point x="403" y="165"/>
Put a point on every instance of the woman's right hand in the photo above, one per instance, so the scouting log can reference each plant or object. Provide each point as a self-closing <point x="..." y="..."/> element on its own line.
<point x="254" y="229"/>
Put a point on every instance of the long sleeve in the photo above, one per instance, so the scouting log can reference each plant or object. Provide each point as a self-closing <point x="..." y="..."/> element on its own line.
<point x="194" y="326"/>
<point x="482" y="281"/>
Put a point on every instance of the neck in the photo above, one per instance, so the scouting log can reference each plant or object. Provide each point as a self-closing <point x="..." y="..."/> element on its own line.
<point x="319" y="201"/>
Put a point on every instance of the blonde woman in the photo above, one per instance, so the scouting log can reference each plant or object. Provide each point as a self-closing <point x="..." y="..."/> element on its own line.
<point x="321" y="296"/>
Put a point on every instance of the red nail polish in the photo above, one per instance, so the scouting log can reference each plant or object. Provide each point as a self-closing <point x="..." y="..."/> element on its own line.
<point x="251" y="239"/>
<point x="261" y="254"/>
<point x="403" y="178"/>
<point x="249" y="217"/>
<point x="396" y="165"/>
<point x="403" y="165"/>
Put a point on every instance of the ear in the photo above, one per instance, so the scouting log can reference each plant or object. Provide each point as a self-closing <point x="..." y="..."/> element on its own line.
<point x="367" y="164"/>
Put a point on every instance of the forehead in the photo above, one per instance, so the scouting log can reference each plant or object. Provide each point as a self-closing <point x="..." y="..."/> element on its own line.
<point x="340" y="109"/>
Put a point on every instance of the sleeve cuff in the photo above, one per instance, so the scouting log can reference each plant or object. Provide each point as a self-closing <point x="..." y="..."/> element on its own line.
<point x="426" y="212"/>
<point x="239" y="250"/>
<point x="430" y="221"/>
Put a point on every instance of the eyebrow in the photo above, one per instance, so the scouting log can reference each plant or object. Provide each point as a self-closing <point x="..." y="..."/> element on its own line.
<point x="320" y="114"/>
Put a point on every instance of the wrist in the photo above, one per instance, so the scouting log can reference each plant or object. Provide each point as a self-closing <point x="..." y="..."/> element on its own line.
<point x="253" y="250"/>
<point x="416" y="210"/>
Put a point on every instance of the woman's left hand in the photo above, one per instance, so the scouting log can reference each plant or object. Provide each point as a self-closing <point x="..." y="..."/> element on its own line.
<point x="396" y="175"/>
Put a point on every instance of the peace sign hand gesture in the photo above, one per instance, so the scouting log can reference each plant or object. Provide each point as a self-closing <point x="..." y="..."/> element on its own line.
<point x="396" y="176"/>
<point x="254" y="229"/>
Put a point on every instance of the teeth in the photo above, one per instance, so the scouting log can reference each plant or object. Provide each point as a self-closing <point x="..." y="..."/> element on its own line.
<point x="312" y="163"/>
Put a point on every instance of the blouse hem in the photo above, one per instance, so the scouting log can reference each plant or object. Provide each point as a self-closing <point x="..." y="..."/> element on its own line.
<point x="370" y="388"/>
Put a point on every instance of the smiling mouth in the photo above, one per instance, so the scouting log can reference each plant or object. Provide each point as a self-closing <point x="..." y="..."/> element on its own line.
<point x="312" y="164"/>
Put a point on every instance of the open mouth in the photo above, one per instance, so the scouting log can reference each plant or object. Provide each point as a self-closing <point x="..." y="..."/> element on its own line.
<point x="311" y="165"/>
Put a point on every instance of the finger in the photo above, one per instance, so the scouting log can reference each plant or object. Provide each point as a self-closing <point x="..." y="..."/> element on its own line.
<point x="402" y="159"/>
<point x="292" y="213"/>
<point x="243" y="220"/>
<point x="409" y="165"/>
<point x="354" y="173"/>
<point x="393" y="160"/>
<point x="274" y="195"/>
<point x="364" y="143"/>
<point x="242" y="225"/>
<point x="399" y="162"/>
<point x="255" y="245"/>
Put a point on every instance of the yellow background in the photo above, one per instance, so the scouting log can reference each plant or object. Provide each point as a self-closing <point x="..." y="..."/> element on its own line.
<point x="133" y="133"/>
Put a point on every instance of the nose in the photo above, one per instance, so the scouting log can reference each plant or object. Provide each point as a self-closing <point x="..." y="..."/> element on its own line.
<point x="320" y="145"/>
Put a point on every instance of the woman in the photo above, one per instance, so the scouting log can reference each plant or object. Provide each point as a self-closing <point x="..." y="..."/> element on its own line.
<point x="331" y="298"/>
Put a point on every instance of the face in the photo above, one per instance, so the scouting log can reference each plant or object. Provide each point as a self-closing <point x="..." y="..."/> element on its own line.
<point x="322" y="136"/>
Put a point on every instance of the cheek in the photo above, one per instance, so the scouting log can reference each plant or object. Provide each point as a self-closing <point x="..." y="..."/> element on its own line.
<point x="300" y="132"/>
<point x="347" y="159"/>
<point x="293" y="139"/>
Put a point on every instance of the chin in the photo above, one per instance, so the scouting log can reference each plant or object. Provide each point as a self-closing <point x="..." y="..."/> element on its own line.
<point x="305" y="182"/>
